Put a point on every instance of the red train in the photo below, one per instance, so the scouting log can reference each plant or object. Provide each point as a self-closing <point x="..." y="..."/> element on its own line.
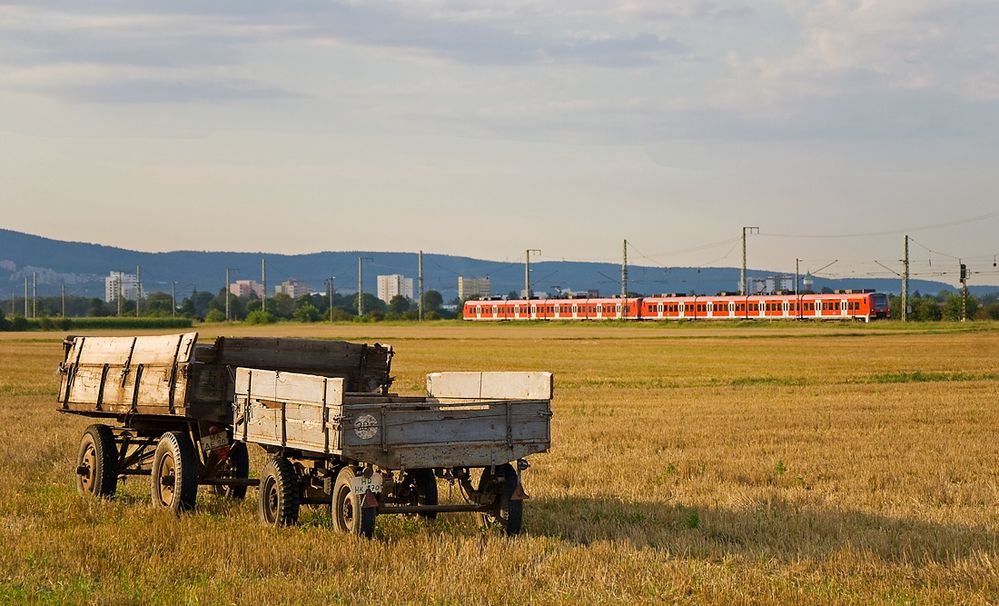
<point x="854" y="305"/>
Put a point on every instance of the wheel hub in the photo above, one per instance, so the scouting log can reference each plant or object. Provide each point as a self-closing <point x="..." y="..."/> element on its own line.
<point x="86" y="470"/>
<point x="168" y="479"/>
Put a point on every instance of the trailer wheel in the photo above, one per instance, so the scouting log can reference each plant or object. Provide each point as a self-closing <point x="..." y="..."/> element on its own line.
<point x="279" y="502"/>
<point x="508" y="512"/>
<point x="174" y="478"/>
<point x="348" y="515"/>
<point x="97" y="462"/>
<point x="236" y="466"/>
<point x="426" y="491"/>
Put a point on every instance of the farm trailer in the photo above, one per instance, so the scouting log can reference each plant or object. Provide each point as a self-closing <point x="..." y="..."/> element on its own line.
<point x="370" y="454"/>
<point x="165" y="403"/>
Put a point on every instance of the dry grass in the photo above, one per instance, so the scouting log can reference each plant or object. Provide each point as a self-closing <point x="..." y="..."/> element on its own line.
<point x="844" y="464"/>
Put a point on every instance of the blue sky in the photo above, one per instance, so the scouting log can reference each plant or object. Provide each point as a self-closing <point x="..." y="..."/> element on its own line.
<point x="486" y="128"/>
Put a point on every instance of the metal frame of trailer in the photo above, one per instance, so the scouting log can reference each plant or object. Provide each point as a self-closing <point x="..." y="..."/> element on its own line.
<point x="164" y="405"/>
<point x="372" y="454"/>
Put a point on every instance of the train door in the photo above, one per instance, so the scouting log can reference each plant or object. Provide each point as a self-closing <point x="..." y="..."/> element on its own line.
<point x="683" y="310"/>
<point x="575" y="310"/>
<point x="785" y="307"/>
<point x="843" y="307"/>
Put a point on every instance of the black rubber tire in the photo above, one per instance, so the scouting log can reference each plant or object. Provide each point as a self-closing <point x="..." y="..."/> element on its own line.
<point x="348" y="515"/>
<point x="99" y="455"/>
<point x="280" y="501"/>
<point x="426" y="490"/>
<point x="174" y="480"/>
<point x="236" y="466"/>
<point x="511" y="511"/>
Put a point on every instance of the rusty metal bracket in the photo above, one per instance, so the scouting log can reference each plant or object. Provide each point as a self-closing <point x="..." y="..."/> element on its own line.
<point x="173" y="377"/>
<point x="128" y="362"/>
<point x="326" y="416"/>
<point x="135" y="389"/>
<point x="98" y="405"/>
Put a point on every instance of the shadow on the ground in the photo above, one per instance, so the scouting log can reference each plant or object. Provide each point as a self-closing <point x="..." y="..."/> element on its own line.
<point x="774" y="529"/>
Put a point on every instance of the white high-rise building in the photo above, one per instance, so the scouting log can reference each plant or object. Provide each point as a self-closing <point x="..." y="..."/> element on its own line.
<point x="395" y="284"/>
<point x="120" y="282"/>
<point x="473" y="287"/>
<point x="245" y="288"/>
<point x="292" y="287"/>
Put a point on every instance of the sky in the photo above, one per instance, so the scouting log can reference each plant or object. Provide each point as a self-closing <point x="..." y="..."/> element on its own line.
<point x="485" y="128"/>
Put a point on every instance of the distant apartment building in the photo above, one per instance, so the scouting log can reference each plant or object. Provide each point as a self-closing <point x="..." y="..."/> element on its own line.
<point x="395" y="284"/>
<point x="118" y="282"/>
<point x="247" y="288"/>
<point x="292" y="287"/>
<point x="469" y="288"/>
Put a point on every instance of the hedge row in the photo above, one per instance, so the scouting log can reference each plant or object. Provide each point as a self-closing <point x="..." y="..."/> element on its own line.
<point x="89" y="323"/>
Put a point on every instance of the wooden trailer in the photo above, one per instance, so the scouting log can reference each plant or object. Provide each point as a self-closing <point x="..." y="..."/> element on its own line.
<point x="165" y="405"/>
<point x="370" y="454"/>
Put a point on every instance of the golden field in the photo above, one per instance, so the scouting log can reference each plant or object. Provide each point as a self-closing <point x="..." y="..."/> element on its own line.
<point x="840" y="464"/>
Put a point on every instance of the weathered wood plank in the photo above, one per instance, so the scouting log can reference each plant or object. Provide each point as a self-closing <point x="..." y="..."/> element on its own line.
<point x="490" y="385"/>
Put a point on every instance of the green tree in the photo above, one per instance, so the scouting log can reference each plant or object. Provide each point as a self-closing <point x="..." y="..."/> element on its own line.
<point x="260" y="316"/>
<point x="282" y="306"/>
<point x="157" y="304"/>
<point x="399" y="305"/>
<point x="372" y="305"/>
<point x="924" y="309"/>
<point x="432" y="301"/>
<point x="96" y="308"/>
<point x="307" y="312"/>
<point x="952" y="306"/>
<point x="197" y="305"/>
<point x="214" y="315"/>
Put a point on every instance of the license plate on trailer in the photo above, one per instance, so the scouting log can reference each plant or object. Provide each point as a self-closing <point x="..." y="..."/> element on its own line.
<point x="214" y="441"/>
<point x="361" y="484"/>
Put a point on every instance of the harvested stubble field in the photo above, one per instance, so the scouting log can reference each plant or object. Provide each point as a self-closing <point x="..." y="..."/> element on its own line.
<point x="843" y="464"/>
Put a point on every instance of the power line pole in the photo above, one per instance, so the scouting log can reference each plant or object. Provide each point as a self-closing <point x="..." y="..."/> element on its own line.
<point x="797" y="271"/>
<point x="64" y="298"/>
<point x="138" y="289"/>
<point x="905" y="281"/>
<point x="34" y="294"/>
<point x="527" y="270"/>
<point x="742" y="274"/>
<point x="360" y="284"/>
<point x="226" y="294"/>
<point x="329" y="284"/>
<point x="119" y="289"/>
<point x="964" y="290"/>
<point x="263" y="280"/>
<point x="173" y="298"/>
<point x="419" y="279"/>
<point x="624" y="271"/>
<point x="25" y="295"/>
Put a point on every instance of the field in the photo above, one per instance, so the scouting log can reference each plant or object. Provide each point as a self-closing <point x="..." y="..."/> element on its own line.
<point x="841" y="464"/>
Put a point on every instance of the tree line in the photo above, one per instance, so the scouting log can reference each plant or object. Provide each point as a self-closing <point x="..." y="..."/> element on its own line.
<point x="211" y="307"/>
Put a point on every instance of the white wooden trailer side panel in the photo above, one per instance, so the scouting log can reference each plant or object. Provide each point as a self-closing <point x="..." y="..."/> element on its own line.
<point x="490" y="385"/>
<point x="298" y="399"/>
<point x="157" y="356"/>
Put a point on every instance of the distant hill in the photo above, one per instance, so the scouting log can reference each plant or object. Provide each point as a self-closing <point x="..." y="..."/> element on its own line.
<point x="83" y="266"/>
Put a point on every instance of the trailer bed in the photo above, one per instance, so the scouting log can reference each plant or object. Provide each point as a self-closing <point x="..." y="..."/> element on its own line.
<point x="475" y="419"/>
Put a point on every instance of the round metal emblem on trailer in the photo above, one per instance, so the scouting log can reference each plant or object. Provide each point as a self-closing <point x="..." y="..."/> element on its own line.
<point x="365" y="427"/>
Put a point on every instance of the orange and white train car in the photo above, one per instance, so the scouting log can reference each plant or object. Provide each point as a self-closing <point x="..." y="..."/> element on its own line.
<point x="847" y="305"/>
<point x="553" y="309"/>
<point x="853" y="305"/>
